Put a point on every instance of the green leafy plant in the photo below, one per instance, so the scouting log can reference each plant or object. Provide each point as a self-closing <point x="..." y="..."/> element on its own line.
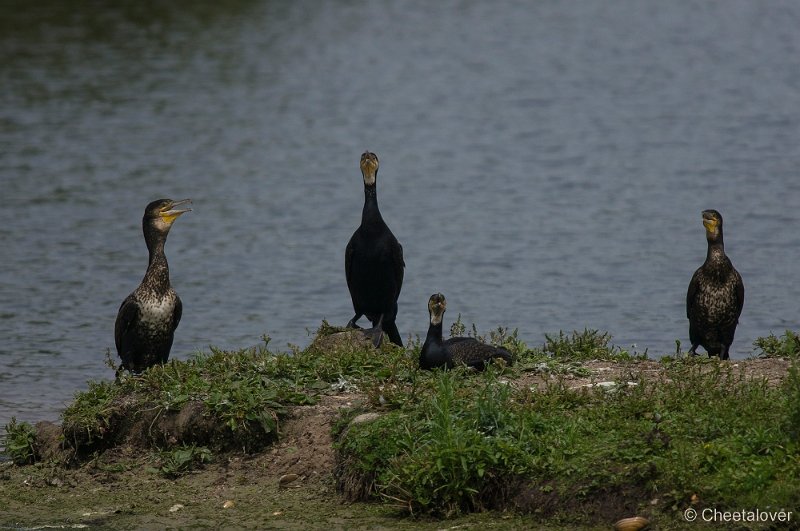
<point x="20" y="442"/>
<point x="786" y="346"/>
<point x="458" y="328"/>
<point x="178" y="461"/>
<point x="584" y="346"/>
<point x="792" y="397"/>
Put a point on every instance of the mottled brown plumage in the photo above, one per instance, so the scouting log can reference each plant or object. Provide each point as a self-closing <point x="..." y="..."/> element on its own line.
<point x="715" y="297"/>
<point x="148" y="317"/>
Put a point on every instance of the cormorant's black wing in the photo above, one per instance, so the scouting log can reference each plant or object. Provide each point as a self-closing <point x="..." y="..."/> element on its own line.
<point x="348" y="263"/>
<point x="474" y="353"/>
<point x="457" y="340"/>
<point x="177" y="312"/>
<point x="739" y="295"/>
<point x="399" y="265"/>
<point x="126" y="318"/>
<point x="691" y="294"/>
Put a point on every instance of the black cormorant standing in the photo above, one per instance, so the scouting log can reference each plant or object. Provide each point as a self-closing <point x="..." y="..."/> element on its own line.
<point x="716" y="295"/>
<point x="148" y="317"/>
<point x="458" y="350"/>
<point x="373" y="261"/>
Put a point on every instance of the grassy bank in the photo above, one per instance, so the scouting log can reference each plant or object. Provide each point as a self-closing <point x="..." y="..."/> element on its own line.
<point x="577" y="433"/>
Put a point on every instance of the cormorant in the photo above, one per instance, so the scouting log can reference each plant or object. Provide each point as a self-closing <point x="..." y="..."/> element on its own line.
<point x="458" y="350"/>
<point x="373" y="262"/>
<point x="148" y="317"/>
<point x="716" y="295"/>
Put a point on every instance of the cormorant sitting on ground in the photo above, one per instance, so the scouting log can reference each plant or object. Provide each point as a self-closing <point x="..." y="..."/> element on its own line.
<point x="148" y="317"/>
<point x="373" y="262"/>
<point x="457" y="350"/>
<point x="716" y="295"/>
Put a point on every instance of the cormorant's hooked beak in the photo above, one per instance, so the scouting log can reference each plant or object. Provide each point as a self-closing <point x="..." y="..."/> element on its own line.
<point x="369" y="167"/>
<point x="169" y="213"/>
<point x="710" y="223"/>
<point x="436" y="306"/>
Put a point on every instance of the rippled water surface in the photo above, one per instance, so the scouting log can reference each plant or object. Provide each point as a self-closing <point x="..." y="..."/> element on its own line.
<point x="544" y="165"/>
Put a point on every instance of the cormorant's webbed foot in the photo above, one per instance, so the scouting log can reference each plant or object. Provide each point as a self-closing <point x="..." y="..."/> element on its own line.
<point x="352" y="322"/>
<point x="375" y="334"/>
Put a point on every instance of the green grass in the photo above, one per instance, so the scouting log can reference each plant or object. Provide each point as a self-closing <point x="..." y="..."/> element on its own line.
<point x="243" y="394"/>
<point x="454" y="442"/>
<point x="447" y="458"/>
<point x="786" y="346"/>
<point x="586" y="346"/>
<point x="706" y="432"/>
<point x="564" y="354"/>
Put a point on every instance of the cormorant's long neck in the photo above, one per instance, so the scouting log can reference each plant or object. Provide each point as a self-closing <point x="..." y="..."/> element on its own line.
<point x="433" y="353"/>
<point x="717" y="266"/>
<point x="371" y="213"/>
<point x="434" y="333"/>
<point x="157" y="276"/>
<point x="716" y="249"/>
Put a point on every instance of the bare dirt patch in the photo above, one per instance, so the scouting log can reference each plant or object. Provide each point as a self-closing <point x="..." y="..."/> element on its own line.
<point x="306" y="445"/>
<point x="773" y="370"/>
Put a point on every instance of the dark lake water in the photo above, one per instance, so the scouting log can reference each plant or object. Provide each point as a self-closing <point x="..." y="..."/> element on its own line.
<point x="544" y="165"/>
